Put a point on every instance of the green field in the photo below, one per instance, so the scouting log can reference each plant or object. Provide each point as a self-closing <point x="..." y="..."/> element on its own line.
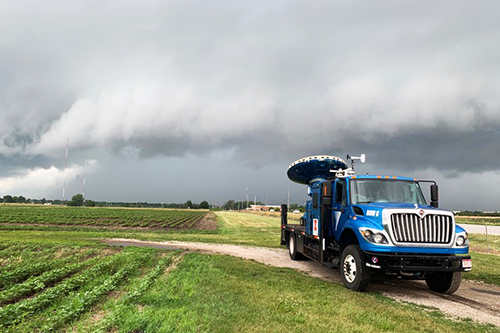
<point x="65" y="280"/>
<point x="95" y="288"/>
<point x="99" y="217"/>
<point x="478" y="220"/>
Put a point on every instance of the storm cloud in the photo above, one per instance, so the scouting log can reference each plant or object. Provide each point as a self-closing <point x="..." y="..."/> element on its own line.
<point x="412" y="84"/>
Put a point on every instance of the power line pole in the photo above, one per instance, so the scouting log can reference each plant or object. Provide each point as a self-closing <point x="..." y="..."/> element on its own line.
<point x="288" y="201"/>
<point x="247" y="198"/>
<point x="65" y="166"/>
<point x="84" y="176"/>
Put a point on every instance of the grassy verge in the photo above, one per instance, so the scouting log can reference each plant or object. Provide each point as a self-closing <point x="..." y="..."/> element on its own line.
<point x="477" y="220"/>
<point x="479" y="243"/>
<point x="485" y="268"/>
<point x="208" y="293"/>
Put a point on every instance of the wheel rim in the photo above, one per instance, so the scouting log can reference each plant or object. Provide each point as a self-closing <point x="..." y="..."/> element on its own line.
<point x="292" y="245"/>
<point x="350" y="268"/>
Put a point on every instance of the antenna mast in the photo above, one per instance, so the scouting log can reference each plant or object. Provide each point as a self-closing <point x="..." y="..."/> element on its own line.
<point x="247" y="199"/>
<point x="288" y="200"/>
<point x="65" y="166"/>
<point x="84" y="176"/>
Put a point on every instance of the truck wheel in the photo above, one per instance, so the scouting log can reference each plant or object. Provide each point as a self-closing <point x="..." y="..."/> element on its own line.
<point x="292" y="249"/>
<point x="443" y="282"/>
<point x="353" y="271"/>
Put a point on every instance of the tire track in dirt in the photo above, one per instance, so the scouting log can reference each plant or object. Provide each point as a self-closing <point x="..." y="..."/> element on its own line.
<point x="473" y="300"/>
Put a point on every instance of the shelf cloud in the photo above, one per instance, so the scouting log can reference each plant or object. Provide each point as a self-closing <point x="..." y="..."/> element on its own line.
<point x="413" y="88"/>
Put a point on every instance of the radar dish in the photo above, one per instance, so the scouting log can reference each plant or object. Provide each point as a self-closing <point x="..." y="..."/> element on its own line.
<point x="308" y="169"/>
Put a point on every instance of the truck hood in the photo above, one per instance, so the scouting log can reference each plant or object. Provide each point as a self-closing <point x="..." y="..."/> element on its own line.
<point x="392" y="205"/>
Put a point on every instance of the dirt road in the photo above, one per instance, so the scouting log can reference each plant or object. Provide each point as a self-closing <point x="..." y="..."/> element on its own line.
<point x="474" y="300"/>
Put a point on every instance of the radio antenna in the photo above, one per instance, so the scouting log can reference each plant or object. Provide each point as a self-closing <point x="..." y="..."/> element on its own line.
<point x="84" y="176"/>
<point x="65" y="167"/>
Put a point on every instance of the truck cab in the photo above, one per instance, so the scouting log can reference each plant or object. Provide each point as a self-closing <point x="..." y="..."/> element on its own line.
<point x="374" y="224"/>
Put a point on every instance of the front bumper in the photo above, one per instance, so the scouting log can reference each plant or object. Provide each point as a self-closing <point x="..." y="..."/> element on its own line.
<point x="417" y="262"/>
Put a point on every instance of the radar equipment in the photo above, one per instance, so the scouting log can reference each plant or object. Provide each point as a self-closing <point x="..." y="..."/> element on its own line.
<point x="361" y="158"/>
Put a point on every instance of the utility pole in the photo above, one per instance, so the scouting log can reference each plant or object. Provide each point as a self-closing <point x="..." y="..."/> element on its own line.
<point x="247" y="198"/>
<point x="84" y="176"/>
<point x="288" y="201"/>
<point x="65" y="166"/>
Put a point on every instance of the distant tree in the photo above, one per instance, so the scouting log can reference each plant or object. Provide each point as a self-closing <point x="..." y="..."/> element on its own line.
<point x="43" y="201"/>
<point x="204" y="205"/>
<point x="8" y="199"/>
<point x="229" y="205"/>
<point x="89" y="203"/>
<point x="188" y="204"/>
<point x="76" y="200"/>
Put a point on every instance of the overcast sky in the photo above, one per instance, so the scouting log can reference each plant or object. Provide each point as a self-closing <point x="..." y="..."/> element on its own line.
<point x="198" y="100"/>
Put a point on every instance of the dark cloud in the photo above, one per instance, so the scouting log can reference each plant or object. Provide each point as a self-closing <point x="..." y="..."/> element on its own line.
<point x="414" y="88"/>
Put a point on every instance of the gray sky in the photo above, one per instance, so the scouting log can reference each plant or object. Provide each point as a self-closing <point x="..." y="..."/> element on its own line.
<point x="178" y="100"/>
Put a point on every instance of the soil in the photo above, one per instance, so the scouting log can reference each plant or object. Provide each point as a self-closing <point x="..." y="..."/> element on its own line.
<point x="208" y="222"/>
<point x="474" y="300"/>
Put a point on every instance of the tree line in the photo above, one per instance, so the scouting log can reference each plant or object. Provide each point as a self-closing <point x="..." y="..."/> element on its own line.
<point x="78" y="200"/>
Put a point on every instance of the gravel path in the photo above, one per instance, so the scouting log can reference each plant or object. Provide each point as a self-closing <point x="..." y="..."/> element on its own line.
<point x="480" y="229"/>
<point x="474" y="300"/>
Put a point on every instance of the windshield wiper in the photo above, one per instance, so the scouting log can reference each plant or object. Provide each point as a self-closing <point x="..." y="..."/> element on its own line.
<point x="364" y="202"/>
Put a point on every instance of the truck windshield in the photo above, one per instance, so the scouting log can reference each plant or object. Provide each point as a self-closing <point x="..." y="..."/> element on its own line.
<point x="385" y="190"/>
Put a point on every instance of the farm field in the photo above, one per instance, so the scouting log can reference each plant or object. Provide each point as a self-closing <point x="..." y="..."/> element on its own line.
<point x="94" y="288"/>
<point x="482" y="220"/>
<point x="151" y="290"/>
<point x="100" y="217"/>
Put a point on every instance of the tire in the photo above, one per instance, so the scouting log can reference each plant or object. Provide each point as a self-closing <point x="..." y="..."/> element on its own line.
<point x="443" y="282"/>
<point x="353" y="270"/>
<point x="292" y="248"/>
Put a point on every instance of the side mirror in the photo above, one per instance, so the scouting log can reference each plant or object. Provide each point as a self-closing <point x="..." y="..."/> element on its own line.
<point x="434" y="196"/>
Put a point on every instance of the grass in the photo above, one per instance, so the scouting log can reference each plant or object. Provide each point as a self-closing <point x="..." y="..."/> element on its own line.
<point x="479" y="243"/>
<point x="209" y="293"/>
<point x="478" y="220"/>
<point x="239" y="228"/>
<point x="234" y="228"/>
<point x="485" y="268"/>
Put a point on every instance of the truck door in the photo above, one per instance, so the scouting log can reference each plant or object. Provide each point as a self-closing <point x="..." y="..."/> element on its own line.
<point x="315" y="213"/>
<point x="340" y="209"/>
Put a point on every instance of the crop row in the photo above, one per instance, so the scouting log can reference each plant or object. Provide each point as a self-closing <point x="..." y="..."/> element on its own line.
<point x="129" y="299"/>
<point x="17" y="312"/>
<point x="59" y="290"/>
<point x="99" y="216"/>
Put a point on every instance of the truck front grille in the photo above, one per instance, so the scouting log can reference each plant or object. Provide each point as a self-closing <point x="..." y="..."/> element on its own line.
<point x="410" y="228"/>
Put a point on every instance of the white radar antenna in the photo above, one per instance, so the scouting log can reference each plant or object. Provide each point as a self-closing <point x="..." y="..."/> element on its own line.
<point x="361" y="158"/>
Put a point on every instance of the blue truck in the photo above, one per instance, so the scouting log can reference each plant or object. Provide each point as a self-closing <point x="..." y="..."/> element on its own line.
<point x="374" y="224"/>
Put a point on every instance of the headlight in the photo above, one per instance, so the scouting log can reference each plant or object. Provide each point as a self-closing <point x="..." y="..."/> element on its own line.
<point x="377" y="238"/>
<point x="461" y="240"/>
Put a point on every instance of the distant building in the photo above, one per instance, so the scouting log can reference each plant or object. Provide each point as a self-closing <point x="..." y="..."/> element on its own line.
<point x="263" y="208"/>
